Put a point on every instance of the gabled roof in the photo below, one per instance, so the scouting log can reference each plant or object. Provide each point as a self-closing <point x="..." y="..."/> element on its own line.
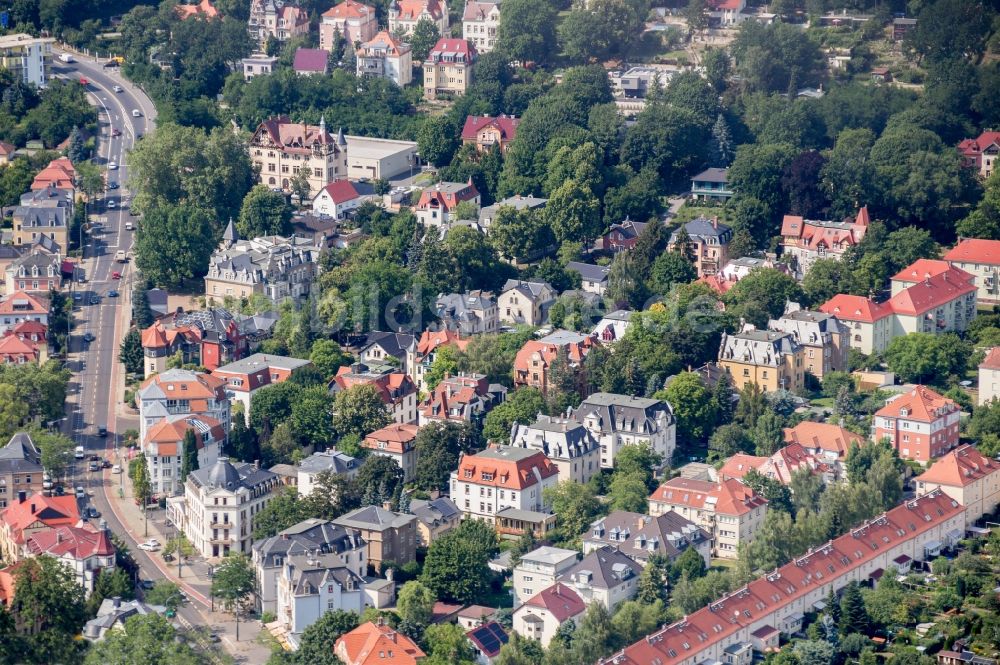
<point x="204" y="8"/>
<point x="963" y="466"/>
<point x="506" y="125"/>
<point x="729" y="497"/>
<point x="856" y="308"/>
<point x="590" y="272"/>
<point x="372" y="643"/>
<point x="340" y="191"/>
<point x="76" y="542"/>
<point x="975" y="250"/>
<point x="52" y="511"/>
<point x="410" y="10"/>
<point x="430" y="340"/>
<point x="560" y="600"/>
<point x="478" y="10"/>
<point x="311" y="60"/>
<point x="397" y="437"/>
<point x="374" y="518"/>
<point x="17" y="350"/>
<point x="740" y="464"/>
<point x="921" y="269"/>
<point x="823" y="436"/>
<point x="992" y="359"/>
<point x="921" y="404"/>
<point x="384" y="41"/>
<point x="454" y="46"/>
<point x="24" y="303"/>
<point x="506" y="467"/>
<point x="350" y="9"/>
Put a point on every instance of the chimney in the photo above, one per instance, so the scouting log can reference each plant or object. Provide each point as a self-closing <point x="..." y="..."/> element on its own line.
<point x="116" y="601"/>
<point x="387" y="505"/>
<point x="21" y="496"/>
<point x="715" y="222"/>
<point x="256" y="464"/>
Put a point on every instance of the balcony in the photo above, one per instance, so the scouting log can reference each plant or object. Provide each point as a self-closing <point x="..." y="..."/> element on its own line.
<point x="221" y="525"/>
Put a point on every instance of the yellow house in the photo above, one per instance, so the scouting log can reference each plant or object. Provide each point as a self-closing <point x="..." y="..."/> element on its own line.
<point x="448" y="68"/>
<point x="772" y="360"/>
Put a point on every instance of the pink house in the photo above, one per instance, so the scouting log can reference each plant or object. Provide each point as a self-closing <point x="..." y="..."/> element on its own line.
<point x="353" y="20"/>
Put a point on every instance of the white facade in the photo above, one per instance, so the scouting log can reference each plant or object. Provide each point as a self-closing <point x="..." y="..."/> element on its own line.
<point x="308" y="589"/>
<point x="539" y="569"/>
<point x="480" y="23"/>
<point x="617" y="421"/>
<point x="25" y="56"/>
<point x="324" y="204"/>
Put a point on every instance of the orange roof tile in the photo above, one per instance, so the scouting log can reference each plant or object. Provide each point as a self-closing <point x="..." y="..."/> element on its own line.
<point x="823" y="436"/>
<point x="932" y="292"/>
<point x="730" y="497"/>
<point x="962" y="466"/>
<point x="398" y="438"/>
<point x="349" y="9"/>
<point x="52" y="511"/>
<point x="79" y="542"/>
<point x="507" y="468"/>
<point x="560" y="600"/>
<point x="992" y="359"/>
<point x="975" y="250"/>
<point x="921" y="404"/>
<point x="740" y="464"/>
<point x="24" y="303"/>
<point x="371" y="643"/>
<point x="921" y="269"/>
<point x="855" y="308"/>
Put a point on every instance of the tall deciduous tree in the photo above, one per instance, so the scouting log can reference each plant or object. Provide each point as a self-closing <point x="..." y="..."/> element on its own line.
<point x="189" y="461"/>
<point x="693" y="407"/>
<point x="264" y="213"/>
<point x="359" y="410"/>
<point x="527" y="31"/>
<point x="175" y="243"/>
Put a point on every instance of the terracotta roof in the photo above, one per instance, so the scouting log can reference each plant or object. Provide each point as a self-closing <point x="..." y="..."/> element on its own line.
<point x="204" y="8"/>
<point x="194" y="386"/>
<point x="52" y="511"/>
<point x="823" y="436"/>
<point x="740" y="464"/>
<point x="430" y="340"/>
<point x="855" y="308"/>
<point x="349" y="9"/>
<point x="14" y="349"/>
<point x="729" y="497"/>
<point x="719" y="623"/>
<point x="921" y="403"/>
<point x="392" y="387"/>
<point x="475" y="124"/>
<point x="59" y="173"/>
<point x="24" y="303"/>
<point x="920" y="270"/>
<point x="932" y="292"/>
<point x="962" y="466"/>
<point x="992" y="359"/>
<point x="341" y="191"/>
<point x="975" y="250"/>
<point x="973" y="147"/>
<point x="7" y="149"/>
<point x="506" y="468"/>
<point x="167" y="436"/>
<point x="454" y="45"/>
<point x="78" y="542"/>
<point x="310" y="60"/>
<point x="371" y="643"/>
<point x="560" y="600"/>
<point x="825" y="234"/>
<point x="398" y="438"/>
<point x="384" y="40"/>
<point x="576" y="351"/>
<point x="447" y="195"/>
<point x="410" y="10"/>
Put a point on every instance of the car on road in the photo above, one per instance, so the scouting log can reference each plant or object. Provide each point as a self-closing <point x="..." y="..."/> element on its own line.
<point x="112" y="205"/>
<point x="77" y="297"/>
<point x="116" y="275"/>
<point x="112" y="293"/>
<point x="91" y="513"/>
<point x="87" y="337"/>
<point x="79" y="453"/>
<point x="95" y="300"/>
<point x="84" y="81"/>
<point x="66" y="57"/>
<point x="92" y="466"/>
<point x="116" y="469"/>
<point x="105" y="464"/>
<point x="112" y="185"/>
<point x="146" y="585"/>
<point x="116" y="132"/>
<point x="80" y="492"/>
<point x="150" y="545"/>
<point x="136" y="113"/>
<point x="121" y="256"/>
<point x="102" y="432"/>
<point x="117" y="88"/>
<point x="112" y="166"/>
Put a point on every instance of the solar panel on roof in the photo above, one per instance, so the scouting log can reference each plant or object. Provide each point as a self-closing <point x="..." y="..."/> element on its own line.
<point x="491" y="637"/>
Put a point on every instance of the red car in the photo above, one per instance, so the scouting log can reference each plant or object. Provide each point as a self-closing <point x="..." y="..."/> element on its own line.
<point x="83" y="81"/>
<point x="116" y="132"/>
<point x="116" y="275"/>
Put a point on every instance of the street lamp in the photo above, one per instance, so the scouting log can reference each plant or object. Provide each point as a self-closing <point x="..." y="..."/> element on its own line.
<point x="211" y="589"/>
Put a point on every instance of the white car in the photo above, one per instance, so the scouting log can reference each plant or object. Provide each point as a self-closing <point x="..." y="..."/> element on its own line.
<point x="150" y="545"/>
<point x="112" y="204"/>
<point x="78" y="453"/>
<point x="117" y="88"/>
<point x="116" y="469"/>
<point x="136" y="113"/>
<point x="113" y="166"/>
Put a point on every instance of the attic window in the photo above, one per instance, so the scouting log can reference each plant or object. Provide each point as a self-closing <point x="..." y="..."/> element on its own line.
<point x="685" y="646"/>
<point x="874" y="545"/>
<point x="487" y="476"/>
<point x="468" y="473"/>
<point x="831" y="568"/>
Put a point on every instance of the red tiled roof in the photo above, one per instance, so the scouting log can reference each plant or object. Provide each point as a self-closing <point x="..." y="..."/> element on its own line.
<point x="823" y="436"/>
<point x="454" y="45"/>
<point x="932" y="292"/>
<point x="79" y="542"/>
<point x="14" y="304"/>
<point x="204" y="386"/>
<point x="730" y="497"/>
<point x="560" y="600"/>
<point x="740" y="464"/>
<point x="920" y="270"/>
<point x="855" y="308"/>
<point x="59" y="172"/>
<point x="514" y="474"/>
<point x="962" y="466"/>
<point x="310" y="60"/>
<point x="992" y="359"/>
<point x="349" y="9"/>
<point x="15" y="349"/>
<point x="475" y="124"/>
<point x="576" y="352"/>
<point x="371" y="643"/>
<point x="446" y="199"/>
<point x="816" y="235"/>
<point x="430" y="340"/>
<point x="975" y="250"/>
<point x="7" y="149"/>
<point x="204" y="8"/>
<point x="921" y="403"/>
<point x="167" y="436"/>
<point x="396" y="383"/>
<point x="973" y="147"/>
<point x="52" y="511"/>
<point x="385" y="40"/>
<point x="410" y="10"/>
<point x="398" y="438"/>
<point x="341" y="191"/>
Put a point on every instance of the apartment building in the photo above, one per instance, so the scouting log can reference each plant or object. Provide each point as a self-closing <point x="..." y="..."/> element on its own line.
<point x="36" y="271"/>
<point x="273" y="266"/>
<point x="246" y="376"/>
<point x="827" y="442"/>
<point x="807" y="240"/>
<point x="397" y="390"/>
<point x="384" y="56"/>
<point x="26" y="57"/>
<point x="981" y="259"/>
<point x="968" y="477"/>
<point x="219" y="504"/>
<point x="539" y="569"/>
<point x="708" y="243"/>
<point x="825" y="341"/>
<point x="771" y="360"/>
<point x="369" y="643"/>
<point x="438" y="204"/>
<point x="533" y="362"/>
<point x="83" y="549"/>
<point x="20" y="468"/>
<point x="525" y="303"/>
<point x="776" y="602"/>
<point x="464" y="398"/>
<point x="276" y="19"/>
<point x="311" y="535"/>
<point x="541" y="615"/>
<point x="351" y="20"/>
<point x="498" y="479"/>
<point x="163" y="448"/>
<point x="989" y="376"/>
<point x="405" y="14"/>
<point x="870" y="324"/>
<point x="639" y="536"/>
<point x="617" y="421"/>
<point x="730" y="511"/>
<point x="282" y="149"/>
<point x="448" y="68"/>
<point x="181" y="392"/>
<point x="570" y="446"/>
<point x="920" y="424"/>
<point x="327" y="461"/>
<point x="19" y="308"/>
<point x="258" y="64"/>
<point x="604" y="576"/>
<point x="390" y="536"/>
<point x="398" y="443"/>
<point x="469" y="313"/>
<point x="31" y="222"/>
<point x="480" y="22"/>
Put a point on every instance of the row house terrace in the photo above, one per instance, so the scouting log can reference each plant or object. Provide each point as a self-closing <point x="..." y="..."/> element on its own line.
<point x="754" y="616"/>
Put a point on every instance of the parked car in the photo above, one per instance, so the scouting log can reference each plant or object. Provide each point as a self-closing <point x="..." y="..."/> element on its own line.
<point x="102" y="432"/>
<point x="87" y="337"/>
<point x="116" y="469"/>
<point x="146" y="585"/>
<point x="79" y="452"/>
<point x="112" y="293"/>
<point x="80" y="492"/>
<point x="150" y="545"/>
<point x="93" y="466"/>
<point x="92" y="513"/>
<point x="105" y="464"/>
<point x="117" y="88"/>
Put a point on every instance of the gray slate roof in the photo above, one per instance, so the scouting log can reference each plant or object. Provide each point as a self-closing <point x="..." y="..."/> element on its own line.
<point x="330" y="460"/>
<point x="435" y="511"/>
<point x="20" y="455"/>
<point x="607" y="566"/>
<point x="590" y="272"/>
<point x="308" y="536"/>
<point x="230" y="476"/>
<point x="704" y="228"/>
<point x="374" y="518"/>
<point x="395" y="344"/>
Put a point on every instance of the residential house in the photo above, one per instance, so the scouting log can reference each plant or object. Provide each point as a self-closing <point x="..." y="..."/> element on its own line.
<point x="398" y="443"/>
<point x="181" y="392"/>
<point x="204" y="10"/>
<point x="282" y="149"/>
<point x="274" y="266"/>
<point x="59" y="174"/>
<point x="712" y="185"/>
<point x="391" y="537"/>
<point x="613" y="326"/>
<point x="807" y="240"/>
<point x="533" y="363"/>
<point x="390" y="347"/>
<point x="428" y="344"/>
<point x="438" y="204"/>
<point x="593" y="278"/>
<point x="276" y="19"/>
<point x="22" y="307"/>
<point x="920" y="424"/>
<point x="617" y="421"/>
<point x="771" y="360"/>
<point x="405" y="14"/>
<point x="538" y="570"/>
<point x="981" y="259"/>
<point x="490" y="484"/>
<point x="435" y="517"/>
<point x="26" y="57"/>
<point x="208" y="338"/>
<point x="307" y="537"/>
<point x="397" y="390"/>
<point x="384" y="56"/>
<point x="258" y="64"/>
<point x="779" y="466"/>
<point x="541" y="615"/>
<point x="219" y="505"/>
<point x="825" y="341"/>
<point x="311" y="584"/>
<point x="36" y="272"/>
<point x="448" y="68"/>
<point x="84" y="550"/>
<point x="989" y="376"/>
<point x="525" y="303"/>
<point x="604" y="576"/>
<point x="732" y="512"/>
<point x="487" y="214"/>
<point x="980" y="153"/>
<point x="919" y="528"/>
<point x="325" y="231"/>
<point x="7" y="151"/>
<point x="727" y="13"/>
<point x="480" y="22"/>
<point x="332" y="461"/>
<point x="113" y="614"/>
<point x="163" y="447"/>
<point x="487" y="640"/>
<point x="622" y="236"/>
<point x="245" y="377"/>
<point x="352" y="21"/>
<point x="469" y="313"/>
<point x="640" y="536"/>
<point x="376" y="644"/>
<point x="487" y="132"/>
<point x="34" y="221"/>
<point x="708" y="244"/>
<point x="20" y="468"/>
<point x="29" y="514"/>
<point x="870" y="323"/>
<point x="737" y="269"/>
<point x="309" y="61"/>
<point x="901" y="26"/>
<point x="24" y="343"/>
<point x="464" y="398"/>
<point x="827" y="442"/>
<point x="570" y="446"/>
<point x="968" y="477"/>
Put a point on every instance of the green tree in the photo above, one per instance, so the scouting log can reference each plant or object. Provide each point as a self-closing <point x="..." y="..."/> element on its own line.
<point x="271" y="406"/>
<point x="315" y="647"/>
<point x="456" y="567"/>
<point x="672" y="141"/>
<point x="285" y="509"/>
<point x="693" y="408"/>
<point x="445" y="364"/>
<point x="165" y="593"/>
<point x="264" y="213"/>
<point x="628" y="492"/>
<point x="853" y="615"/>
<point x="984" y="221"/>
<point x="48" y="608"/>
<point x="380" y="479"/>
<point x="189" y="460"/>
<point x="233" y="582"/>
<point x="768" y="433"/>
<point x="730" y="439"/>
<point x="576" y="506"/>
<point x="56" y="450"/>
<point x="175" y="243"/>
<point x="448" y="645"/>
<point x="574" y="213"/>
<point x="415" y="604"/>
<point x="328" y="357"/>
<point x="762" y="295"/>
<point x="312" y="416"/>
<point x="425" y="36"/>
<point x="527" y="31"/>
<point x="359" y="410"/>
<point x="522" y="407"/>
<point x="777" y="57"/>
<point x="696" y="14"/>
<point x="437" y="141"/>
<point x="652" y="585"/>
<point x="928" y="358"/>
<point x="242" y="444"/>
<point x="108" y="585"/>
<point x="145" y="639"/>
<point x="757" y="171"/>
<point x="438" y="446"/>
<point x="519" y="235"/>
<point x="520" y="651"/>
<point x="138" y="471"/>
